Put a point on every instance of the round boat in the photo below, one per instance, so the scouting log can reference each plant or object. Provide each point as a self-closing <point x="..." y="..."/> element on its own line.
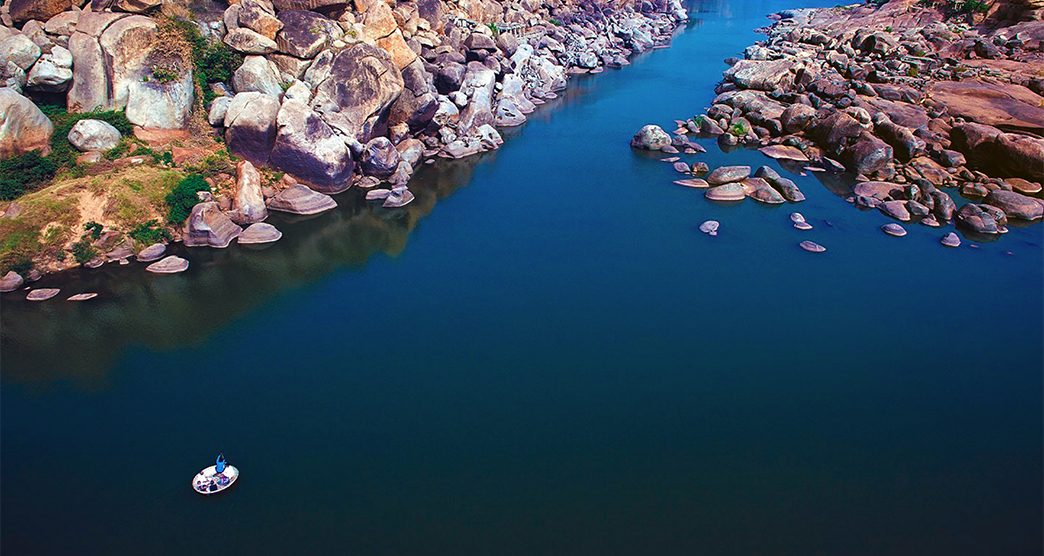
<point x="209" y="481"/>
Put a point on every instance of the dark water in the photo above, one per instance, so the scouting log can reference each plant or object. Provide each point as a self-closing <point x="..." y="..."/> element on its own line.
<point x="543" y="356"/>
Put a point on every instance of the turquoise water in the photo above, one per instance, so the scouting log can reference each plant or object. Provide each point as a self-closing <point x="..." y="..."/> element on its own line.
<point x="542" y="355"/>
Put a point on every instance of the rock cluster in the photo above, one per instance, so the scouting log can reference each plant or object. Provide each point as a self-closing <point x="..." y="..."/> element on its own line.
<point x="909" y="101"/>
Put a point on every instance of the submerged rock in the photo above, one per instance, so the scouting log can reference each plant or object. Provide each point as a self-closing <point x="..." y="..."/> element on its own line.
<point x="710" y="227"/>
<point x="951" y="240"/>
<point x="398" y="198"/>
<point x="82" y="296"/>
<point x="207" y="226"/>
<point x="42" y="294"/>
<point x="894" y="229"/>
<point x="812" y="247"/>
<point x="692" y="182"/>
<point x="169" y="265"/>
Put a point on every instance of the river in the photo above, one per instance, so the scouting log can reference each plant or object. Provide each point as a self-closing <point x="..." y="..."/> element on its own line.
<point x="542" y="355"/>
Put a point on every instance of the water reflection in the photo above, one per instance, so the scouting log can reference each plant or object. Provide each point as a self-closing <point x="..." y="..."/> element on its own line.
<point x="58" y="340"/>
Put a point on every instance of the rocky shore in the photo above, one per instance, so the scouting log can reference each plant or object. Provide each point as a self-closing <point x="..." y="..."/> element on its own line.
<point x="323" y="96"/>
<point x="911" y="98"/>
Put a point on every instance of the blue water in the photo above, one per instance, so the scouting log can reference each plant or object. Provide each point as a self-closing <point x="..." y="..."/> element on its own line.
<point x="544" y="356"/>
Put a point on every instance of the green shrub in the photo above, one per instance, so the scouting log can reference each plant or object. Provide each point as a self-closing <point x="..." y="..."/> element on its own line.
<point x="969" y="6"/>
<point x="94" y="228"/>
<point x="494" y="29"/>
<point x="183" y="197"/>
<point x="163" y="74"/>
<point x="213" y="61"/>
<point x="555" y="22"/>
<point x="83" y="251"/>
<point x="149" y="232"/>
<point x="23" y="172"/>
<point x="62" y="152"/>
<point x="739" y="129"/>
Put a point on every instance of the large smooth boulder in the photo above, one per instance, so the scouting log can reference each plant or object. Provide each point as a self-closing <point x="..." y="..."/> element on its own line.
<point x="136" y="6"/>
<point x="449" y="76"/>
<point x="23" y="127"/>
<point x="248" y="206"/>
<point x="93" y="135"/>
<point x="90" y="83"/>
<point x="48" y="76"/>
<point x="259" y="16"/>
<point x="308" y="149"/>
<point x="999" y="153"/>
<point x="11" y="281"/>
<point x="250" y="126"/>
<point x="868" y="154"/>
<point x="728" y="174"/>
<point x="259" y="75"/>
<point x="796" y="117"/>
<point x="1006" y="106"/>
<point x="305" y="33"/>
<point x="298" y="199"/>
<point x="379" y="158"/>
<point x="207" y="226"/>
<point x="651" y="137"/>
<point x="127" y="45"/>
<point x="356" y="95"/>
<point x="1015" y="205"/>
<point x="161" y="105"/>
<point x="259" y="233"/>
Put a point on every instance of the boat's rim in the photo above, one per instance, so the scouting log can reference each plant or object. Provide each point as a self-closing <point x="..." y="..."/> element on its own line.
<point x="231" y="471"/>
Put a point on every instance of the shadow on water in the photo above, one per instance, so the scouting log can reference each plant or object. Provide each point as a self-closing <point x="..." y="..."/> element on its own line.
<point x="135" y="307"/>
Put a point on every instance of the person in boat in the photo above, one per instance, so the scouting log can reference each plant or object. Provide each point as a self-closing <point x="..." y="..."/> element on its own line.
<point x="220" y="463"/>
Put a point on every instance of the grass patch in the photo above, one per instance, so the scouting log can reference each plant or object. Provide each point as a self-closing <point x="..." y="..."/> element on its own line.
<point x="148" y="233"/>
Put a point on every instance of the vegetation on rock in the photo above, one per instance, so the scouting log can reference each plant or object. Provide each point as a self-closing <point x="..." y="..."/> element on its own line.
<point x="183" y="197"/>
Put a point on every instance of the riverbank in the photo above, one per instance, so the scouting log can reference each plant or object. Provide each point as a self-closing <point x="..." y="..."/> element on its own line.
<point x="909" y="98"/>
<point x="431" y="81"/>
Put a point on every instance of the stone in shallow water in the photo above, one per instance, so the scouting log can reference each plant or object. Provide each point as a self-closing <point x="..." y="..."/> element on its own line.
<point x="398" y="199"/>
<point x="760" y="190"/>
<point x="42" y="294"/>
<point x="169" y="265"/>
<point x="797" y="217"/>
<point x="670" y="159"/>
<point x="784" y="152"/>
<point x="378" y="194"/>
<point x="728" y="192"/>
<point x="728" y="174"/>
<point x="152" y="253"/>
<point x="681" y="168"/>
<point x="298" y="199"/>
<point x="710" y="227"/>
<point x="802" y="225"/>
<point x="259" y="232"/>
<point x="692" y="182"/>
<point x="83" y="296"/>
<point x="812" y="247"/>
<point x="11" y="281"/>
<point x="894" y="229"/>
<point x="951" y="240"/>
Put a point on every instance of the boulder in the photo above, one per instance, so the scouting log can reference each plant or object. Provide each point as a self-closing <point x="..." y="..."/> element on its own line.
<point x="260" y="17"/>
<point x="894" y="229"/>
<point x="787" y="188"/>
<point x="93" y="135"/>
<point x="21" y="50"/>
<point x="170" y="264"/>
<point x="449" y="77"/>
<point x="298" y="199"/>
<point x="11" y="281"/>
<point x="250" y="126"/>
<point x="379" y="158"/>
<point x="257" y="74"/>
<point x="999" y="153"/>
<point x="398" y="198"/>
<point x="1015" y="205"/>
<point x="951" y="240"/>
<point x="207" y="226"/>
<point x="63" y="23"/>
<point x="812" y="247"/>
<point x="1006" y="106"/>
<point x="23" y="127"/>
<point x="136" y="6"/>
<point x="218" y="109"/>
<point x="86" y="296"/>
<point x="728" y="174"/>
<point x="259" y="232"/>
<point x="305" y="33"/>
<point x="307" y="148"/>
<point x="248" y="206"/>
<point x="784" y="152"/>
<point x="710" y="227"/>
<point x="52" y="73"/>
<point x="895" y="209"/>
<point x="356" y="96"/>
<point x="417" y="104"/>
<point x="158" y="105"/>
<point x="22" y="11"/>
<point x="759" y="190"/>
<point x="651" y="138"/>
<point x="868" y="154"/>
<point x="767" y="75"/>
<point x="248" y="41"/>
<point x="983" y="219"/>
<point x="478" y="87"/>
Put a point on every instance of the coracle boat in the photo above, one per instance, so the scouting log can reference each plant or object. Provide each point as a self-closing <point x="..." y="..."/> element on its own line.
<point x="209" y="481"/>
